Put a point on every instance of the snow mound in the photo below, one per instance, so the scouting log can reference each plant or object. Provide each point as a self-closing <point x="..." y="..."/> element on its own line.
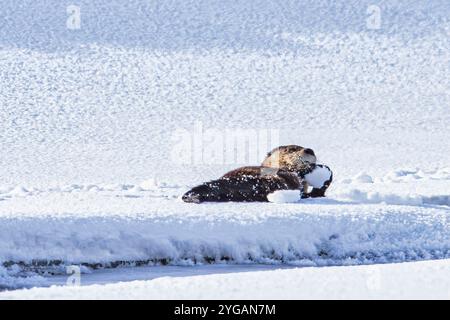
<point x="150" y="230"/>
<point x="363" y="178"/>
<point x="284" y="196"/>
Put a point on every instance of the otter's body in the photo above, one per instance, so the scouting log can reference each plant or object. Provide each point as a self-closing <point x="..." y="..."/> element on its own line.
<point x="246" y="184"/>
<point x="284" y="168"/>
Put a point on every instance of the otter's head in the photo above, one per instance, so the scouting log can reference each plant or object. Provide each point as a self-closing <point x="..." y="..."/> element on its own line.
<point x="292" y="158"/>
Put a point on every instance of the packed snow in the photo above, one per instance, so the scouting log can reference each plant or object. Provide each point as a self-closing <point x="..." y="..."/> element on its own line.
<point x="284" y="196"/>
<point x="104" y="127"/>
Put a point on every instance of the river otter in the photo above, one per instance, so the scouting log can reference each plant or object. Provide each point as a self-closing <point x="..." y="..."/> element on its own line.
<point x="284" y="168"/>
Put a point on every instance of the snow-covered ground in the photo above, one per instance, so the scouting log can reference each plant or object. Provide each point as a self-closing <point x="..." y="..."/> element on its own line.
<point x="102" y="128"/>
<point x="403" y="216"/>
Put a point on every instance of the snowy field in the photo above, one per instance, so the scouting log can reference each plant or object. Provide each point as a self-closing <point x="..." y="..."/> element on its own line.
<point x="105" y="124"/>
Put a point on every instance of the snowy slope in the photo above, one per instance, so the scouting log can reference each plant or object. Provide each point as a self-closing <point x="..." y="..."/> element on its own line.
<point x="90" y="122"/>
<point x="419" y="280"/>
<point x="102" y="104"/>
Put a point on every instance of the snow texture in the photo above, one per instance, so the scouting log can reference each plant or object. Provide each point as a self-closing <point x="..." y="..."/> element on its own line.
<point x="90" y="119"/>
<point x="109" y="224"/>
<point x="102" y="104"/>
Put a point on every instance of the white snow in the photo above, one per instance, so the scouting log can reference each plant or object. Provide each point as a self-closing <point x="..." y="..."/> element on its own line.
<point x="419" y="280"/>
<point x="284" y="196"/>
<point x="102" y="104"/>
<point x="318" y="176"/>
<point x="357" y="223"/>
<point x="363" y="178"/>
<point x="89" y="121"/>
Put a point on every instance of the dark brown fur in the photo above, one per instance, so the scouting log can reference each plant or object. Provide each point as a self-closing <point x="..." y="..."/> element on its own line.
<point x="244" y="184"/>
<point x="282" y="169"/>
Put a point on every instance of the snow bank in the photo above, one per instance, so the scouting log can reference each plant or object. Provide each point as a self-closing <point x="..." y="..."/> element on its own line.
<point x="312" y="233"/>
<point x="108" y="225"/>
